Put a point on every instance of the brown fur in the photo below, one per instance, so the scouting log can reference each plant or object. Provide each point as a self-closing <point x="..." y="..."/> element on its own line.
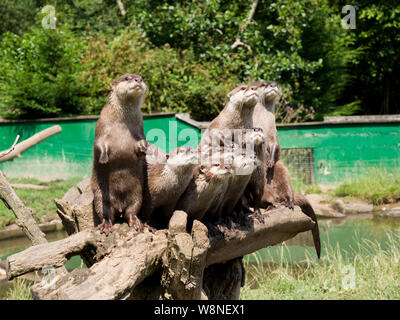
<point x="304" y="204"/>
<point x="236" y="115"/>
<point x="278" y="191"/>
<point x="166" y="183"/>
<point x="119" y="146"/>
<point x="202" y="191"/>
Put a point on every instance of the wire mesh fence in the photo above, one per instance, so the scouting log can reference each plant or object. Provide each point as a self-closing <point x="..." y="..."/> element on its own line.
<point x="300" y="163"/>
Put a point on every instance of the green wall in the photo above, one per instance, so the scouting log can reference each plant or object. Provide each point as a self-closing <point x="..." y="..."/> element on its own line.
<point x="69" y="154"/>
<point x="341" y="151"/>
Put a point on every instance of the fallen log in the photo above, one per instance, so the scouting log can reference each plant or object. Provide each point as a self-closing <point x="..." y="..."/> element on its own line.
<point x="125" y="258"/>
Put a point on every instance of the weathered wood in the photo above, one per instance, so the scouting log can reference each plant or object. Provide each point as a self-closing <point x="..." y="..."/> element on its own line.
<point x="31" y="142"/>
<point x="132" y="258"/>
<point x="24" y="215"/>
<point x="53" y="254"/>
<point x="280" y="224"/>
<point x="126" y="258"/>
<point x="185" y="259"/>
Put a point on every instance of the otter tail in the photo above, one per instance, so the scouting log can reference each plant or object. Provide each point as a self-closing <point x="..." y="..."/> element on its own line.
<point x="307" y="209"/>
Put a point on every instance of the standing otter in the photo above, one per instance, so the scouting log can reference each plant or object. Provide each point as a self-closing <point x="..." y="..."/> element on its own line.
<point x="167" y="181"/>
<point x="264" y="117"/>
<point x="237" y="114"/>
<point x="255" y="188"/>
<point x="119" y="146"/>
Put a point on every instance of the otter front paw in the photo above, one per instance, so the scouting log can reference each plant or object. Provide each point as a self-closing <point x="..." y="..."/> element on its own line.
<point x="270" y="163"/>
<point x="135" y="223"/>
<point x="258" y="216"/>
<point x="105" y="227"/>
<point x="289" y="204"/>
<point x="142" y="147"/>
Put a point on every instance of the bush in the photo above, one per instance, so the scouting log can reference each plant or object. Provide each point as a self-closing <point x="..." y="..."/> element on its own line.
<point x="176" y="82"/>
<point x="38" y="74"/>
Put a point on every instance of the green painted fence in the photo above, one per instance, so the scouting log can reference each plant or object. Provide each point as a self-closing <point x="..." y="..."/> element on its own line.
<point x="339" y="150"/>
<point x="346" y="150"/>
<point x="69" y="154"/>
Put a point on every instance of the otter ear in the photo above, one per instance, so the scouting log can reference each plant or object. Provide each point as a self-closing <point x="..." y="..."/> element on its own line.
<point x="202" y="167"/>
<point x="167" y="156"/>
<point x="112" y="85"/>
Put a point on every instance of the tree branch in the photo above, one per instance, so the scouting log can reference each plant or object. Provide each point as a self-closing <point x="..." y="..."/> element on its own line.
<point x="29" y="143"/>
<point x="121" y="7"/>
<point x="6" y="152"/>
<point x="238" y="42"/>
<point x="23" y="214"/>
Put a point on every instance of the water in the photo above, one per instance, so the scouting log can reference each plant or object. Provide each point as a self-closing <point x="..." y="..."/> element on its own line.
<point x="347" y="233"/>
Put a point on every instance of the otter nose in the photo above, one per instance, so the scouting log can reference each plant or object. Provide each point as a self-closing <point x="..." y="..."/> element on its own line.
<point x="228" y="167"/>
<point x="272" y="84"/>
<point x="254" y="88"/>
<point x="138" y="79"/>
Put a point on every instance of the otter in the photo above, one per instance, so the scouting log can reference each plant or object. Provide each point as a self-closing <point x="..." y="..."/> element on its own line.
<point x="278" y="192"/>
<point x="167" y="181"/>
<point x="203" y="189"/>
<point x="119" y="147"/>
<point x="264" y="117"/>
<point x="243" y="166"/>
<point x="237" y="114"/>
<point x="255" y="187"/>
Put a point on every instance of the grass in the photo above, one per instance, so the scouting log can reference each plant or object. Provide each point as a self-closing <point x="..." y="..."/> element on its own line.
<point x="20" y="290"/>
<point x="39" y="200"/>
<point x="378" y="187"/>
<point x="370" y="273"/>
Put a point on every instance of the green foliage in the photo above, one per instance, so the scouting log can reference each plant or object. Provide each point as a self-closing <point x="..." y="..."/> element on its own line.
<point x="17" y="16"/>
<point x="176" y="81"/>
<point x="38" y="74"/>
<point x="184" y="51"/>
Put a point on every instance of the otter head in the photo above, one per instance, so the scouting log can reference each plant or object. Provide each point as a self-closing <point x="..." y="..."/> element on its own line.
<point x="129" y="87"/>
<point x="243" y="164"/>
<point x="216" y="171"/>
<point x="268" y="91"/>
<point x="243" y="95"/>
<point x="255" y="136"/>
<point x="183" y="157"/>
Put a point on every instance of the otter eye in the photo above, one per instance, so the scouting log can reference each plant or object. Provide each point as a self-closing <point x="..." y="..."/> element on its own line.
<point x="243" y="88"/>
<point x="216" y="165"/>
<point x="127" y="78"/>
